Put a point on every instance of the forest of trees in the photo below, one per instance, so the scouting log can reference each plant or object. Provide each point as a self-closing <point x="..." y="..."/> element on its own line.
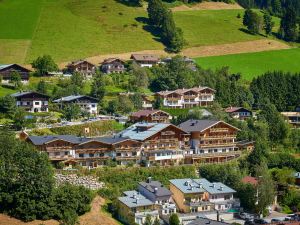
<point x="27" y="185"/>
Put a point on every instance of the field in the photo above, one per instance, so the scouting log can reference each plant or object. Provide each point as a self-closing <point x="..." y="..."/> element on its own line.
<point x="251" y="65"/>
<point x="73" y="29"/>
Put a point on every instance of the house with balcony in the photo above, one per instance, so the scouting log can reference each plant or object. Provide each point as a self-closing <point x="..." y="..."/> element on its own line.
<point x="32" y="101"/>
<point x="6" y="71"/>
<point x="162" y="143"/>
<point x="293" y="118"/>
<point x="239" y="113"/>
<point x="202" y="196"/>
<point x="134" y="207"/>
<point x="147" y="103"/>
<point x="187" y="98"/>
<point x="81" y="66"/>
<point x="86" y="103"/>
<point x="160" y="195"/>
<point x="150" y="116"/>
<point x="211" y="141"/>
<point x="112" y="65"/>
<point x="145" y="60"/>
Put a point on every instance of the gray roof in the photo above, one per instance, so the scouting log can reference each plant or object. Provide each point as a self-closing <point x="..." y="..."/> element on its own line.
<point x="159" y="192"/>
<point x="112" y="139"/>
<point x="40" y="140"/>
<point x="134" y="199"/>
<point x="200" y="125"/>
<point x="3" y="66"/>
<point x="136" y="132"/>
<point x="204" y="221"/>
<point x="73" y="97"/>
<point x="189" y="185"/>
<point x="20" y="94"/>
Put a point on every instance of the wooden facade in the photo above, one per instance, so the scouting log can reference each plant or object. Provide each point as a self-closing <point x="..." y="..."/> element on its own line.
<point x="112" y="65"/>
<point x="6" y="72"/>
<point x="150" y="116"/>
<point x="82" y="66"/>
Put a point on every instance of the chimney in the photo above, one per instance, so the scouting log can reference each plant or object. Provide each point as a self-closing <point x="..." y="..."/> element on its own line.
<point x="221" y="188"/>
<point x="213" y="185"/>
<point x="155" y="190"/>
<point x="149" y="179"/>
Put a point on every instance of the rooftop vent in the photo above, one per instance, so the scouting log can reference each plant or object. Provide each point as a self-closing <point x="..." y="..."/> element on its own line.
<point x="149" y="179"/>
<point x="221" y="188"/>
<point x="155" y="190"/>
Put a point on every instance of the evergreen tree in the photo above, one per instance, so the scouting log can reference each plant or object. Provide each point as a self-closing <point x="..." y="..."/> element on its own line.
<point x="98" y="87"/>
<point x="16" y="79"/>
<point x="71" y="112"/>
<point x="41" y="87"/>
<point x="8" y="106"/>
<point x="252" y="21"/>
<point x="174" y="220"/>
<point x="288" y="25"/>
<point x="156" y="12"/>
<point x="268" y="23"/>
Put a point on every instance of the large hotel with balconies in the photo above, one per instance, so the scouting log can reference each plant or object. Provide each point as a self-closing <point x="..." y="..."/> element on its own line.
<point x="187" y="98"/>
<point x="194" y="141"/>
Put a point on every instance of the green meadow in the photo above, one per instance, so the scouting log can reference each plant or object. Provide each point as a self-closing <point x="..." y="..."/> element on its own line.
<point x="73" y="29"/>
<point x="251" y="65"/>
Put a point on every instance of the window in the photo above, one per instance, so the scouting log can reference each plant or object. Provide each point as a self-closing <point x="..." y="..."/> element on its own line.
<point x="91" y="155"/>
<point x="57" y="153"/>
<point x="118" y="154"/>
<point x="37" y="103"/>
<point x="66" y="153"/>
<point x="93" y="105"/>
<point x="81" y="155"/>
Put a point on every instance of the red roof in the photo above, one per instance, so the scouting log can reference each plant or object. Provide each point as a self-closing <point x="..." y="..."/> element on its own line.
<point x="250" y="180"/>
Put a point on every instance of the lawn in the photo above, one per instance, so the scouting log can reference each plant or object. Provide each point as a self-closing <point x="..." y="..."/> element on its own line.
<point x="210" y="27"/>
<point x="73" y="29"/>
<point x="6" y="91"/>
<point x="251" y="65"/>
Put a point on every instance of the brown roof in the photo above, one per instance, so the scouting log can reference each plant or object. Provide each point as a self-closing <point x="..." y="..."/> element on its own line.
<point x="250" y="180"/>
<point x="234" y="109"/>
<point x="146" y="112"/>
<point x="74" y="63"/>
<point x="145" y="57"/>
<point x="182" y="91"/>
<point x="110" y="60"/>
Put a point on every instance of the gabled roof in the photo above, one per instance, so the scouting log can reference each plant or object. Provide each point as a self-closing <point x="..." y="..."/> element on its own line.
<point x="75" y="63"/>
<point x="147" y="112"/>
<point x="145" y="57"/>
<point x="201" y="125"/>
<point x="235" y="109"/>
<point x="40" y="140"/>
<point x="183" y="90"/>
<point x="24" y="93"/>
<point x="134" y="199"/>
<point x="141" y="131"/>
<point x="6" y="66"/>
<point x="156" y="188"/>
<point x="111" y="60"/>
<point x="205" y="221"/>
<point x="250" y="180"/>
<point x="72" y="98"/>
<point x="189" y="185"/>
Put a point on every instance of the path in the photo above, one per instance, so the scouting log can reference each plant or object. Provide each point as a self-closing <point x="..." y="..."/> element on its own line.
<point x="207" y="6"/>
<point x="202" y="51"/>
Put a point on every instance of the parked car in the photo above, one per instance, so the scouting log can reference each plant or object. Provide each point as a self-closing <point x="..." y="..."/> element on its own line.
<point x="274" y="220"/>
<point x="260" y="221"/>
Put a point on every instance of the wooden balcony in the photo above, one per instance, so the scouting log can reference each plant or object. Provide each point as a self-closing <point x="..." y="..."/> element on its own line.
<point x="218" y="137"/>
<point x="94" y="158"/>
<point x="119" y="158"/>
<point x="190" y="96"/>
<point x="61" y="158"/>
<point x="60" y="148"/>
<point x="173" y="99"/>
<point x="92" y="150"/>
<point x="214" y="154"/>
<point x="212" y="145"/>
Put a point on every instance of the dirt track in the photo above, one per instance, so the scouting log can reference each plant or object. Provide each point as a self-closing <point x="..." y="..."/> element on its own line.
<point x="203" y="51"/>
<point x="94" y="217"/>
<point x="207" y="6"/>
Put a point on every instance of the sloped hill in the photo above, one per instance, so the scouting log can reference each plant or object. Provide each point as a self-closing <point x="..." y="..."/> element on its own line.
<point x="73" y="29"/>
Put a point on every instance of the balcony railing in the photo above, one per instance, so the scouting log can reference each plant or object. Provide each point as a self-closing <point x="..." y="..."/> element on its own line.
<point x="212" y="145"/>
<point x="214" y="154"/>
<point x="218" y="137"/>
<point x="59" y="148"/>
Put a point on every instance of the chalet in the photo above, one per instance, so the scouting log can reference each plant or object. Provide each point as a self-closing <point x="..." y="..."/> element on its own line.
<point x="150" y="116"/>
<point x="200" y="195"/>
<point x="7" y="70"/>
<point x="239" y="113"/>
<point x="32" y="101"/>
<point x="211" y="141"/>
<point x="133" y="208"/>
<point x="145" y="60"/>
<point x="187" y="98"/>
<point x="86" y="103"/>
<point x="157" y="193"/>
<point x="146" y="103"/>
<point x="188" y="61"/>
<point x="293" y="118"/>
<point x="82" y="66"/>
<point x="297" y="178"/>
<point x="112" y="65"/>
<point x="162" y="143"/>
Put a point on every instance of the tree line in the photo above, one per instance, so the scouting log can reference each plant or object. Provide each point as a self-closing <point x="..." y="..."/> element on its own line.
<point x="27" y="185"/>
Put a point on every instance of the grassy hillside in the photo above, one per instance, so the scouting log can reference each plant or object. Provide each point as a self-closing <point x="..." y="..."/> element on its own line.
<point x="251" y="65"/>
<point x="73" y="29"/>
